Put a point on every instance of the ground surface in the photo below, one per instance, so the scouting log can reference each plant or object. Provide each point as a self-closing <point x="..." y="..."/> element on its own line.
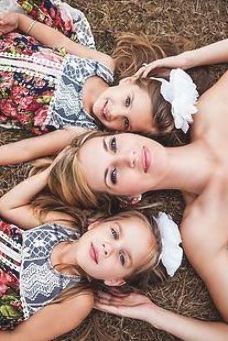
<point x="197" y="23"/>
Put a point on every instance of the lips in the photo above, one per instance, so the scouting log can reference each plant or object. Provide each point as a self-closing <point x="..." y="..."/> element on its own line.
<point x="146" y="159"/>
<point x="93" y="253"/>
<point x="105" y="112"/>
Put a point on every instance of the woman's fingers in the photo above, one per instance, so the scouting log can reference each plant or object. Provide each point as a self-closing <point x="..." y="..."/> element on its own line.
<point x="106" y="308"/>
<point x="113" y="293"/>
<point x="126" y="300"/>
<point x="159" y="63"/>
<point x="105" y="298"/>
<point x="140" y="72"/>
<point x="59" y="156"/>
<point x="113" y="301"/>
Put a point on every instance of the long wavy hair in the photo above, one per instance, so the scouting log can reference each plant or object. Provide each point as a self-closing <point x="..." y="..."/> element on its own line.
<point x="67" y="187"/>
<point x="131" y="52"/>
<point x="140" y="276"/>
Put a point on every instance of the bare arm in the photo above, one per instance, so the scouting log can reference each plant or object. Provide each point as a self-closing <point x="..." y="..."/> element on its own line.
<point x="211" y="54"/>
<point x="140" y="307"/>
<point x="52" y="321"/>
<point x="39" y="146"/>
<point x="15" y="204"/>
<point x="51" y="37"/>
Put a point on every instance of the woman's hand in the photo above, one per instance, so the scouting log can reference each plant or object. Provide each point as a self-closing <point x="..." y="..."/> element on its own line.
<point x="180" y="61"/>
<point x="8" y="22"/>
<point x="132" y="305"/>
<point x="58" y="157"/>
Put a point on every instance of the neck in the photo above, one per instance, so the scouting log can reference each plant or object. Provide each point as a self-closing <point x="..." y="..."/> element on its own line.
<point x="92" y="90"/>
<point x="64" y="253"/>
<point x="188" y="169"/>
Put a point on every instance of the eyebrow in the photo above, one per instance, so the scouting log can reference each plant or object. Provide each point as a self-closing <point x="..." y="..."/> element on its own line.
<point x="105" y="146"/>
<point x="130" y="262"/>
<point x="132" y="99"/>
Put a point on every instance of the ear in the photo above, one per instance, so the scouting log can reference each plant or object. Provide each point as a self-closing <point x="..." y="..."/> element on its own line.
<point x="130" y="201"/>
<point x="127" y="80"/>
<point x="114" y="282"/>
<point x="135" y="200"/>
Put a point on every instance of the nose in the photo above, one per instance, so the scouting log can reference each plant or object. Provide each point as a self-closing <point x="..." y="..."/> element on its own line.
<point x="114" y="115"/>
<point x="127" y="159"/>
<point x="107" y="248"/>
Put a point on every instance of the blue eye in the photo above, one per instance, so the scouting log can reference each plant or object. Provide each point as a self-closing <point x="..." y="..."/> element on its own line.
<point x="122" y="259"/>
<point x="128" y="101"/>
<point x="114" y="233"/>
<point x="113" y="176"/>
<point x="112" y="144"/>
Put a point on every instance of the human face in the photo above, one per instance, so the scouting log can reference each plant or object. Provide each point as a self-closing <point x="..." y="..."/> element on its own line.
<point x="109" y="249"/>
<point x="125" y="107"/>
<point x="123" y="164"/>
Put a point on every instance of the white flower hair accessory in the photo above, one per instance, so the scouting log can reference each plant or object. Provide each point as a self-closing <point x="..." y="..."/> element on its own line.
<point x="180" y="91"/>
<point x="172" y="254"/>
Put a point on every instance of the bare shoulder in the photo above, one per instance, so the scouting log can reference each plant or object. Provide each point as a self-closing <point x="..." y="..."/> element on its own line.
<point x="86" y="297"/>
<point x="205" y="241"/>
<point x="204" y="233"/>
<point x="221" y="84"/>
<point x="204" y="221"/>
<point x="204" y="228"/>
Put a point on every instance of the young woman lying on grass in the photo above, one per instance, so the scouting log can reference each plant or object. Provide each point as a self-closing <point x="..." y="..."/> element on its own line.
<point x="129" y="165"/>
<point x="52" y="260"/>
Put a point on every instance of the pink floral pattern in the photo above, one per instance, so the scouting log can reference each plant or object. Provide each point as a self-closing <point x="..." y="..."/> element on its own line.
<point x="11" y="312"/>
<point x="47" y="12"/>
<point x="24" y="98"/>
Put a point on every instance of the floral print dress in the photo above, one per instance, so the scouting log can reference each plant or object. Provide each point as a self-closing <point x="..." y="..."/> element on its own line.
<point x="30" y="74"/>
<point x="28" y="280"/>
<point x="11" y="312"/>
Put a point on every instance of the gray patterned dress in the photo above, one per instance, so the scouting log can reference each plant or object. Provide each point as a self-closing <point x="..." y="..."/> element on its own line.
<point x="41" y="90"/>
<point x="28" y="281"/>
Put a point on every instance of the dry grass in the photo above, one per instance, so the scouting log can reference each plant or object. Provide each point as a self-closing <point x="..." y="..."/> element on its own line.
<point x="192" y="23"/>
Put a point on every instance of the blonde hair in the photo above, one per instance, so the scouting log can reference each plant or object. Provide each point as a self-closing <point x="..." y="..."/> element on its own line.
<point x="142" y="273"/>
<point x="152" y="260"/>
<point x="131" y="52"/>
<point x="67" y="185"/>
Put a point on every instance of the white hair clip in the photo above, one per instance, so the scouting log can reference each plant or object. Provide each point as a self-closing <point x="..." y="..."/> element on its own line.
<point x="180" y="91"/>
<point x="172" y="254"/>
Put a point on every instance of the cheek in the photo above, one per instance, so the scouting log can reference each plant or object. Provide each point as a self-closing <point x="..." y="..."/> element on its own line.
<point x="115" y="125"/>
<point x="131" y="183"/>
<point x="94" y="178"/>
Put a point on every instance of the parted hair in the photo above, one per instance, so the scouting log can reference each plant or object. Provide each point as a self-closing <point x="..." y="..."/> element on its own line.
<point x="67" y="185"/>
<point x="131" y="52"/>
<point x="140" y="276"/>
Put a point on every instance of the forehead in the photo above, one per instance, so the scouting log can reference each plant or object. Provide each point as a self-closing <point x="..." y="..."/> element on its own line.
<point x="134" y="230"/>
<point x="141" y="109"/>
<point x="93" y="160"/>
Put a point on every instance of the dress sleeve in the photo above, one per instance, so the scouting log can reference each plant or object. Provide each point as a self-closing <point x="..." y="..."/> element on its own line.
<point x="58" y="14"/>
<point x="10" y="5"/>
